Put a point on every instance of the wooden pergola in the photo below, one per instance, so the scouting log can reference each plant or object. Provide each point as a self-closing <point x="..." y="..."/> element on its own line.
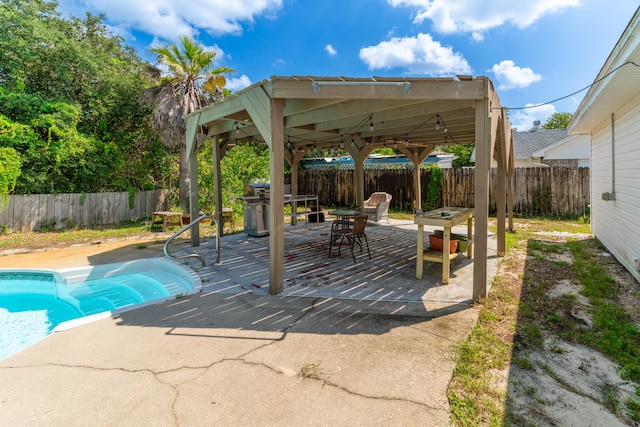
<point x="294" y="114"/>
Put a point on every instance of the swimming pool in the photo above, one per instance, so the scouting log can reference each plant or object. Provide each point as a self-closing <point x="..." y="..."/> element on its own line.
<point x="34" y="303"/>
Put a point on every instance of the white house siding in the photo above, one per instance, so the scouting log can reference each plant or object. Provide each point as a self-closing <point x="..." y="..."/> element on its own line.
<point x="617" y="223"/>
<point x="575" y="147"/>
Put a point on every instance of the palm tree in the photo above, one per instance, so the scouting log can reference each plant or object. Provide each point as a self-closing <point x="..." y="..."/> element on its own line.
<point x="191" y="83"/>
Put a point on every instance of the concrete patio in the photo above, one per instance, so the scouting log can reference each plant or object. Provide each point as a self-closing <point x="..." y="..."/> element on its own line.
<point x="345" y="344"/>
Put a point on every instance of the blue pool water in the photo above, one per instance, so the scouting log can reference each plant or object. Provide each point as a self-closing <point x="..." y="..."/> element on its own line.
<point x="34" y="302"/>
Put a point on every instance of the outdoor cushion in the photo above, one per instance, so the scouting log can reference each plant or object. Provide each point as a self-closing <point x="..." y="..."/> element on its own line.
<point x="376" y="198"/>
<point x="377" y="206"/>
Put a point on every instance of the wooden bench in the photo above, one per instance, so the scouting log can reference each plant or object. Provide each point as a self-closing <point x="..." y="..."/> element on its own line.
<point x="169" y="219"/>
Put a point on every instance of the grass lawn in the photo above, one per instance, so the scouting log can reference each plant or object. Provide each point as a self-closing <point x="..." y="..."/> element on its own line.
<point x="558" y="337"/>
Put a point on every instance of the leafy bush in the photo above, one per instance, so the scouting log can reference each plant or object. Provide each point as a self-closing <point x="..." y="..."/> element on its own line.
<point x="10" y="164"/>
<point x="245" y="163"/>
<point x="69" y="92"/>
<point x="433" y="188"/>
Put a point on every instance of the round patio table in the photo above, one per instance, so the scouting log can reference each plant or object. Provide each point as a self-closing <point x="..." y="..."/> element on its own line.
<point x="344" y="213"/>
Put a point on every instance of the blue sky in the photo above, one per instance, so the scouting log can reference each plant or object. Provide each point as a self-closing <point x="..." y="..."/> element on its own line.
<point x="535" y="51"/>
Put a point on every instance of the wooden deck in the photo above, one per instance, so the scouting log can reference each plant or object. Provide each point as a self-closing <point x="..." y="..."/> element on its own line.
<point x="308" y="271"/>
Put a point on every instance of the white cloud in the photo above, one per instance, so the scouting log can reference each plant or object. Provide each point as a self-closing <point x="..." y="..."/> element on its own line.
<point x="478" y="16"/>
<point x="169" y="19"/>
<point x="522" y="120"/>
<point x="238" y="83"/>
<point x="217" y="49"/>
<point x="418" y="55"/>
<point x="510" y="76"/>
<point x="330" y="50"/>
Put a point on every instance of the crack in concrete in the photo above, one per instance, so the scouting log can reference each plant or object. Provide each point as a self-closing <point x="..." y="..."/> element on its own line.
<point x="384" y="398"/>
<point x="414" y="327"/>
<point x="174" y="386"/>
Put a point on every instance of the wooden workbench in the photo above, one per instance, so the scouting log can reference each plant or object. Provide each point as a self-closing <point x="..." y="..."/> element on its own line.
<point x="446" y="217"/>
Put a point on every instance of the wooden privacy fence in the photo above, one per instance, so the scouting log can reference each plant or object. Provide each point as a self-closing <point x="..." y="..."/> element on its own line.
<point x="54" y="211"/>
<point x="552" y="191"/>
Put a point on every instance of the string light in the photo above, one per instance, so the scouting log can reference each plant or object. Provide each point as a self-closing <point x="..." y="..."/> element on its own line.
<point x="371" y="123"/>
<point x="571" y="94"/>
<point x="438" y="124"/>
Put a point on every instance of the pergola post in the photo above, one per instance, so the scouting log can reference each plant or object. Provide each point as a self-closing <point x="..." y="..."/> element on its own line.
<point x="510" y="201"/>
<point x="359" y="155"/>
<point x="501" y="207"/>
<point x="511" y="176"/>
<point x="481" y="197"/>
<point x="359" y="181"/>
<point x="193" y="197"/>
<point x="276" y="189"/>
<point x="293" y="157"/>
<point x="192" y="160"/>
<point x="217" y="180"/>
<point x="417" y="157"/>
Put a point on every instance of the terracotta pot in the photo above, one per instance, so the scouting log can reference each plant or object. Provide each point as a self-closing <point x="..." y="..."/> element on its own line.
<point x="436" y="243"/>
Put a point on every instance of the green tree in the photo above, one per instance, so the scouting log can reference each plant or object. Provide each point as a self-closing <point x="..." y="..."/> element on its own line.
<point x="191" y="84"/>
<point x="386" y="151"/>
<point x="462" y="153"/>
<point x="558" y="121"/>
<point x="10" y="164"/>
<point x="243" y="164"/>
<point x="55" y="157"/>
<point x="76" y="62"/>
<point x="433" y="187"/>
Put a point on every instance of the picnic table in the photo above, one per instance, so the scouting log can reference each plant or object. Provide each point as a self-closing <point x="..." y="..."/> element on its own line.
<point x="169" y="219"/>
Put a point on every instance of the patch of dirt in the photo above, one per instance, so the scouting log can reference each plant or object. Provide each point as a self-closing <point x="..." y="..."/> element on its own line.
<point x="568" y="388"/>
<point x="563" y="257"/>
<point x="563" y="234"/>
<point x="43" y="242"/>
<point x="562" y="383"/>
<point x="22" y="243"/>
<point x="579" y="309"/>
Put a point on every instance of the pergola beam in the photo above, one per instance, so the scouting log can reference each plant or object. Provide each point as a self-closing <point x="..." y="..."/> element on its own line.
<point x="368" y="89"/>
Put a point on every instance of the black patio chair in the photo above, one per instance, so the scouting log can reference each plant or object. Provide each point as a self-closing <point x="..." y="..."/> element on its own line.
<point x="352" y="231"/>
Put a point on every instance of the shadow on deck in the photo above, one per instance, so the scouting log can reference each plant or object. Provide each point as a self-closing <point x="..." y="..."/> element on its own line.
<point x="309" y="272"/>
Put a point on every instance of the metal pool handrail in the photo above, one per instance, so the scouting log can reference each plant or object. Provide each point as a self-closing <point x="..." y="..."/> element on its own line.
<point x="185" y="228"/>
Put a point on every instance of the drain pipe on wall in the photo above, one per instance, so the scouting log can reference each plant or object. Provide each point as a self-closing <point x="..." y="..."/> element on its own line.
<point x="611" y="197"/>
